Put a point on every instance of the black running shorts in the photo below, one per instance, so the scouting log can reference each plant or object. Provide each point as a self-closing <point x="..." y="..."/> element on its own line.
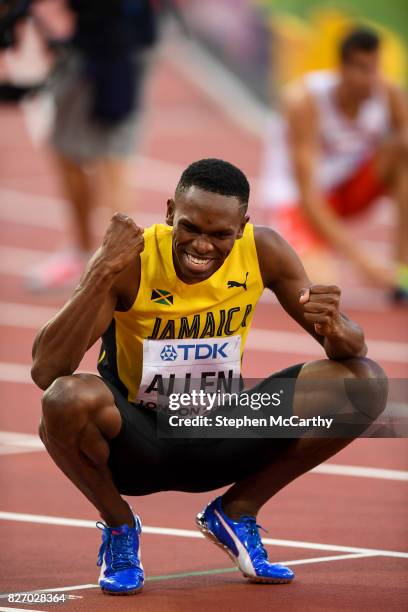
<point x="141" y="462"/>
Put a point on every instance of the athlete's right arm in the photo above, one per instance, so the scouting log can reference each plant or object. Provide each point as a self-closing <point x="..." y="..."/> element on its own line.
<point x="110" y="280"/>
<point x="304" y="146"/>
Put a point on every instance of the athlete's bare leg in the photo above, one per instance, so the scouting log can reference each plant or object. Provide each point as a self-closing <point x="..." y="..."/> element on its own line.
<point x="76" y="185"/>
<point x="316" y="256"/>
<point x="112" y="189"/>
<point x="392" y="167"/>
<point x="101" y="186"/>
<point x="79" y="416"/>
<point x="391" y="164"/>
<point x="316" y="393"/>
<point x="320" y="265"/>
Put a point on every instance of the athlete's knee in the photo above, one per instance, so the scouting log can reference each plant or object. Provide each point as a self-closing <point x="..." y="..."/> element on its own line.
<point x="402" y="147"/>
<point x="399" y="152"/>
<point x="67" y="405"/>
<point x="368" y="388"/>
<point x="363" y="367"/>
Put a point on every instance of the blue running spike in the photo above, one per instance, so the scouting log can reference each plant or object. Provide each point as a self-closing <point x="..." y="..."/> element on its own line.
<point x="119" y="559"/>
<point x="242" y="542"/>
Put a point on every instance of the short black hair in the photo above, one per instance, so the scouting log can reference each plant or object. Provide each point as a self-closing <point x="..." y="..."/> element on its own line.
<point x="358" y="39"/>
<point x="216" y="176"/>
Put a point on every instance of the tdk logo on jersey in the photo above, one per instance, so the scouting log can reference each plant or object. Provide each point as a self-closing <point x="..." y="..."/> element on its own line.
<point x="168" y="353"/>
<point x="194" y="351"/>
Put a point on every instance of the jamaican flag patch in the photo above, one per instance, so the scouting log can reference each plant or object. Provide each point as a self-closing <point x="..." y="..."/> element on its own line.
<point x="162" y="296"/>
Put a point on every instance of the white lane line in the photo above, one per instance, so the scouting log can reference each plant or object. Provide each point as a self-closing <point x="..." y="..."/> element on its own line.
<point x="18" y="373"/>
<point x="15" y="373"/>
<point x="155" y="175"/>
<point x="28" y="316"/>
<point x="23" y="255"/>
<point x="50" y="213"/>
<point x="353" y="298"/>
<point x="302" y="344"/>
<point x="19" y="609"/>
<point x="28" y="442"/>
<point x="76" y="587"/>
<point x="325" y="559"/>
<point x="147" y="173"/>
<point x="81" y="587"/>
<point x="188" y="533"/>
<point x="337" y="469"/>
<point x="12" y="443"/>
<point x="15" y="261"/>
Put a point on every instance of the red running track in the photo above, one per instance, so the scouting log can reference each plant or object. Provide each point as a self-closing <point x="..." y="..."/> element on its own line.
<point x="313" y="518"/>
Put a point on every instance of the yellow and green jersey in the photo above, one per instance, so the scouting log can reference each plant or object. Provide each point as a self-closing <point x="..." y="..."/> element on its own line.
<point x="176" y="331"/>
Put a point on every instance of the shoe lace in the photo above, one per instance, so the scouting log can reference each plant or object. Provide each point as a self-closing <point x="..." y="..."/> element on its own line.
<point x="254" y="540"/>
<point x="122" y="549"/>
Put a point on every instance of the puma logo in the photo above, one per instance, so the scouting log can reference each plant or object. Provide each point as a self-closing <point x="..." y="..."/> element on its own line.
<point x="232" y="283"/>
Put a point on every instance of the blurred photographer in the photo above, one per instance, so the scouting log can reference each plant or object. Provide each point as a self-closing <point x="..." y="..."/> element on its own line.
<point x="97" y="84"/>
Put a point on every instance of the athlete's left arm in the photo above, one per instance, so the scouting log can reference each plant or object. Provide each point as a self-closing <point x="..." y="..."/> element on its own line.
<point x="398" y="110"/>
<point x="315" y="307"/>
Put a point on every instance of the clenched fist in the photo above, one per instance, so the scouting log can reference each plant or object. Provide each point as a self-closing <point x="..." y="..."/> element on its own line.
<point x="122" y="242"/>
<point x="321" y="307"/>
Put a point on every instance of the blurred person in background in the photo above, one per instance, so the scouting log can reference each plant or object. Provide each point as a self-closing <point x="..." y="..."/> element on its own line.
<point x="341" y="142"/>
<point x="97" y="86"/>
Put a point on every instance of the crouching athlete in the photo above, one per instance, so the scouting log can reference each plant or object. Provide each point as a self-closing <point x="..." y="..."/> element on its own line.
<point x="199" y="276"/>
